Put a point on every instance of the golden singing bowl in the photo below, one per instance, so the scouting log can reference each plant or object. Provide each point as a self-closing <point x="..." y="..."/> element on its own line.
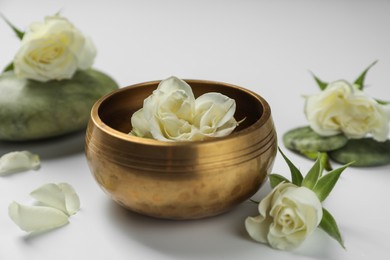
<point x="180" y="180"/>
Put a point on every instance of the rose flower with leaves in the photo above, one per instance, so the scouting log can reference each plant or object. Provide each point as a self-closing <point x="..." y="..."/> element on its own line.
<point x="345" y="122"/>
<point x="293" y="210"/>
<point x="52" y="49"/>
<point x="49" y="87"/>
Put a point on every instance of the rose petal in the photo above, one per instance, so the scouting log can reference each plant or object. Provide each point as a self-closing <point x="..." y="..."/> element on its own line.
<point x="18" y="161"/>
<point x="221" y="107"/>
<point x="178" y="103"/>
<point x="214" y="114"/>
<point x="50" y="195"/>
<point x="87" y="55"/>
<point x="72" y="200"/>
<point x="176" y="130"/>
<point x="60" y="196"/>
<point x="36" y="218"/>
<point x="173" y="84"/>
<point x="140" y="125"/>
<point x="226" y="129"/>
<point x="258" y="227"/>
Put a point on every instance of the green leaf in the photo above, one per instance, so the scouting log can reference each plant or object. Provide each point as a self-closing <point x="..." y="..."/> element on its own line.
<point x="58" y="13"/>
<point x="329" y="225"/>
<point x="296" y="175"/>
<point x="327" y="182"/>
<point x="382" y="102"/>
<point x="310" y="155"/>
<point x="9" y="67"/>
<point x="320" y="83"/>
<point x="360" y="80"/>
<point x="275" y="179"/>
<point x="326" y="163"/>
<point x="314" y="173"/>
<point x="18" y="32"/>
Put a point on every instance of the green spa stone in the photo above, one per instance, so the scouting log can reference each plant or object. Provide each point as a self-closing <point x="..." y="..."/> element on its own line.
<point x="364" y="152"/>
<point x="304" y="139"/>
<point x="31" y="110"/>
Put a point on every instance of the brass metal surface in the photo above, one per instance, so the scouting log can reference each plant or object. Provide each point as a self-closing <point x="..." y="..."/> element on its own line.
<point x="179" y="180"/>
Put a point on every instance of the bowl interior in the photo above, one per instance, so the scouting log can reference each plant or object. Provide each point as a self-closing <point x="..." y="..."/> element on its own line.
<point x="116" y="109"/>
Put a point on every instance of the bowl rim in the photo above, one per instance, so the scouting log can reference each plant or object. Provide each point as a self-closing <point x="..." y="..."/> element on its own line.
<point x="98" y="122"/>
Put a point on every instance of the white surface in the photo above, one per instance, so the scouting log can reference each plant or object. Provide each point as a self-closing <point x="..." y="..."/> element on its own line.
<point x="266" y="46"/>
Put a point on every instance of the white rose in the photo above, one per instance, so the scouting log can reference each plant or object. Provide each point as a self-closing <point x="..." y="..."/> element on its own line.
<point x="343" y="108"/>
<point x="171" y="113"/>
<point x="288" y="215"/>
<point x="53" y="49"/>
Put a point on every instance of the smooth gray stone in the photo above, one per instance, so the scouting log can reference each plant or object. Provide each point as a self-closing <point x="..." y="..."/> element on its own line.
<point x="364" y="152"/>
<point x="31" y="110"/>
<point x="304" y="139"/>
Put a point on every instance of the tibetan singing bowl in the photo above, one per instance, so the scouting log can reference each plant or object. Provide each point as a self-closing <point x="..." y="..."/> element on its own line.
<point x="180" y="180"/>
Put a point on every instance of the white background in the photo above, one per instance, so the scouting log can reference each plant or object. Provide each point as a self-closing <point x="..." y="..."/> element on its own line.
<point x="269" y="47"/>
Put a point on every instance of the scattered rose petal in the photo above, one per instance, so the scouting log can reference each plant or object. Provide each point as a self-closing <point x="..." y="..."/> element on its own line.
<point x="61" y="196"/>
<point x="56" y="203"/>
<point x="36" y="218"/>
<point x="72" y="200"/>
<point x="18" y="161"/>
<point x="50" y="195"/>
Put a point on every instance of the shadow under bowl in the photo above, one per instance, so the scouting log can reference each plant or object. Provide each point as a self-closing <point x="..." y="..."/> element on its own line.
<point x="180" y="180"/>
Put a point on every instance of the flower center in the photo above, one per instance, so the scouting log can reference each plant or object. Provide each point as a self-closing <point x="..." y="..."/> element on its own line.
<point x="50" y="50"/>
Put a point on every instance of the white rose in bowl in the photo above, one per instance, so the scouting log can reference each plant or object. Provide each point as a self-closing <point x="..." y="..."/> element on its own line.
<point x="53" y="50"/>
<point x="171" y="113"/>
<point x="288" y="215"/>
<point x="343" y="108"/>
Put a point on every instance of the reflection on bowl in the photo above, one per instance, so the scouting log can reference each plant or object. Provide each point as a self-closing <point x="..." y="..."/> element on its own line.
<point x="179" y="180"/>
